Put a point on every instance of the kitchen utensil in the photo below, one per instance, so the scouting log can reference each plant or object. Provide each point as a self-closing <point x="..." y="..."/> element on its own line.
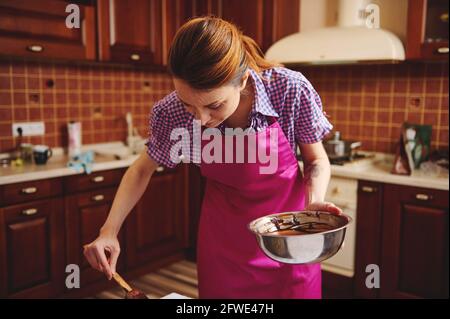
<point x="300" y="237"/>
<point x="340" y="149"/>
<point x="130" y="292"/>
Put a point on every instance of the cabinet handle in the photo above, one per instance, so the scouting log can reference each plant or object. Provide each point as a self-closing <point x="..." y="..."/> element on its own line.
<point x="369" y="189"/>
<point x="98" y="179"/>
<point x="160" y="169"/>
<point x="29" y="190"/>
<point x="443" y="50"/>
<point x="29" y="211"/>
<point x="35" y="48"/>
<point x="135" y="57"/>
<point x="98" y="198"/>
<point x="444" y="17"/>
<point x="423" y="197"/>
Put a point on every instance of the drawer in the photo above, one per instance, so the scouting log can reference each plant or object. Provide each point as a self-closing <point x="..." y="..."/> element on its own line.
<point x="79" y="183"/>
<point x="98" y="196"/>
<point x="420" y="196"/>
<point x="27" y="191"/>
<point x="21" y="212"/>
<point x="342" y="191"/>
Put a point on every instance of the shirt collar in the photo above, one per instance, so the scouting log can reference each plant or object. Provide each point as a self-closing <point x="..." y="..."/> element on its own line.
<point x="261" y="102"/>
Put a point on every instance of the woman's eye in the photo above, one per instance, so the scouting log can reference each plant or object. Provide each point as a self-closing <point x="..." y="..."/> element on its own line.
<point x="215" y="106"/>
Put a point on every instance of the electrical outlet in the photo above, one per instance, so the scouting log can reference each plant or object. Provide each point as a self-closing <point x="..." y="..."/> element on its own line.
<point x="29" y="128"/>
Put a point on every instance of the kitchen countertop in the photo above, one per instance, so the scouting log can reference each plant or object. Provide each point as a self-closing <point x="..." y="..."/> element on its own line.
<point x="375" y="169"/>
<point x="56" y="166"/>
<point x="378" y="169"/>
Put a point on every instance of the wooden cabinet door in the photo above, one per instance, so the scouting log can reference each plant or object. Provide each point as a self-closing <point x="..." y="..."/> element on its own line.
<point x="32" y="242"/>
<point x="368" y="235"/>
<point x="427" y="36"/>
<point x="131" y="31"/>
<point x="415" y="243"/>
<point x="265" y="21"/>
<point x="158" y="225"/>
<point x="38" y="29"/>
<point x="247" y="15"/>
<point x="85" y="215"/>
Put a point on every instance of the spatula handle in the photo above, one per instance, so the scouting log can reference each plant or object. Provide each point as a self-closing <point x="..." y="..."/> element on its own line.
<point x="122" y="282"/>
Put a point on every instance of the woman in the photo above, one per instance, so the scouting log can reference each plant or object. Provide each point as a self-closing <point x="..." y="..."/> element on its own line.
<point x="222" y="81"/>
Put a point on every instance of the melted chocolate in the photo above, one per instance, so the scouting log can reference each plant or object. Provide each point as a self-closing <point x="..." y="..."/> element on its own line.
<point x="135" y="294"/>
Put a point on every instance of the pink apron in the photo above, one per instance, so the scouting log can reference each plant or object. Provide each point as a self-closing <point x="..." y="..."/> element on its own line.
<point x="230" y="262"/>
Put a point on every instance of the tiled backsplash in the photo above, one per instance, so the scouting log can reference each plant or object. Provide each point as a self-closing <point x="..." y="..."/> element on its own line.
<point x="98" y="96"/>
<point x="366" y="103"/>
<point x="369" y="103"/>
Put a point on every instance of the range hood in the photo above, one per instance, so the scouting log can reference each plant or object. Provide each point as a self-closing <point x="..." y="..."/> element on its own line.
<point x="351" y="41"/>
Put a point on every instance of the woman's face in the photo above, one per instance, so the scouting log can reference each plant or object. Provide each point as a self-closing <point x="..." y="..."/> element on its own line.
<point x="211" y="107"/>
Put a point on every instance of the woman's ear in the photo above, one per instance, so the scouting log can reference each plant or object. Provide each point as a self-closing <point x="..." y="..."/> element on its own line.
<point x="244" y="80"/>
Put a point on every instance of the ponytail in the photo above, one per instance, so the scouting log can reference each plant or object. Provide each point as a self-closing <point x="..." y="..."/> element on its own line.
<point x="255" y="56"/>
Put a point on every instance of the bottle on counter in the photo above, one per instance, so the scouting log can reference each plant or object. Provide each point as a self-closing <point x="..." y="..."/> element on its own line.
<point x="74" y="133"/>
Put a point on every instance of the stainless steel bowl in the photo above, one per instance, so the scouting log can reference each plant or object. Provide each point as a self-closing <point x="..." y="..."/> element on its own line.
<point x="301" y="237"/>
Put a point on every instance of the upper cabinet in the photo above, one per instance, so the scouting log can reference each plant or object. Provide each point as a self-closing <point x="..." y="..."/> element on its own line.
<point x="130" y="31"/>
<point x="137" y="32"/>
<point x="266" y="21"/>
<point x="427" y="30"/>
<point x="38" y="28"/>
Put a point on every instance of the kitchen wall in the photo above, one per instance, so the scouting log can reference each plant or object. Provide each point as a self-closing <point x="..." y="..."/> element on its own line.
<point x="367" y="103"/>
<point x="370" y="102"/>
<point x="98" y="96"/>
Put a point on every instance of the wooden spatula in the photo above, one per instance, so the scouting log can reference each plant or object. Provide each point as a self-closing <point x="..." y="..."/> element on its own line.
<point x="131" y="293"/>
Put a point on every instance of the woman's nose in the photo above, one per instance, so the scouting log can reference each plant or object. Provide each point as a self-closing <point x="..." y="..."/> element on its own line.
<point x="203" y="117"/>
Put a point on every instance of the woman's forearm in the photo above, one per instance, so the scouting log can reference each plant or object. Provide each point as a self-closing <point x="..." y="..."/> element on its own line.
<point x="317" y="177"/>
<point x="130" y="190"/>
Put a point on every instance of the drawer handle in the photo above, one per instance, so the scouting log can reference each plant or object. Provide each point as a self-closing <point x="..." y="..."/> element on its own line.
<point x="135" y="57"/>
<point x="35" y="48"/>
<point x="423" y="197"/>
<point x="29" y="211"/>
<point x="98" y="179"/>
<point x="160" y="169"/>
<point x="29" y="190"/>
<point x="443" y="50"/>
<point x="98" y="198"/>
<point x="369" y="189"/>
<point x="444" y="17"/>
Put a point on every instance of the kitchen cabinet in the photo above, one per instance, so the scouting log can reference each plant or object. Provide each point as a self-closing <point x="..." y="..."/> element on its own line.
<point x="403" y="230"/>
<point x="427" y="36"/>
<point x="368" y="234"/>
<point x="266" y="21"/>
<point x="38" y="29"/>
<point x="44" y="225"/>
<point x="136" y="32"/>
<point x="414" y="257"/>
<point x="86" y="212"/>
<point x="32" y="240"/>
<point x="158" y="225"/>
<point x="131" y="31"/>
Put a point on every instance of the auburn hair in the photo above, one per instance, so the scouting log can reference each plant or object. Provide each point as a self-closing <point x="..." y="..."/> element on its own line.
<point x="208" y="52"/>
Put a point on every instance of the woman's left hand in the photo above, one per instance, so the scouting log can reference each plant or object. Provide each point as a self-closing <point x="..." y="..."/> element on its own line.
<point x="325" y="207"/>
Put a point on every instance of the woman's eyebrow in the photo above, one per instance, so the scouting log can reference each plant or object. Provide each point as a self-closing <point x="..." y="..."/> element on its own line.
<point x="216" y="102"/>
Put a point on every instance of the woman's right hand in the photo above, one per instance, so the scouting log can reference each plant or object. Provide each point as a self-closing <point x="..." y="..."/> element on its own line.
<point x="95" y="253"/>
